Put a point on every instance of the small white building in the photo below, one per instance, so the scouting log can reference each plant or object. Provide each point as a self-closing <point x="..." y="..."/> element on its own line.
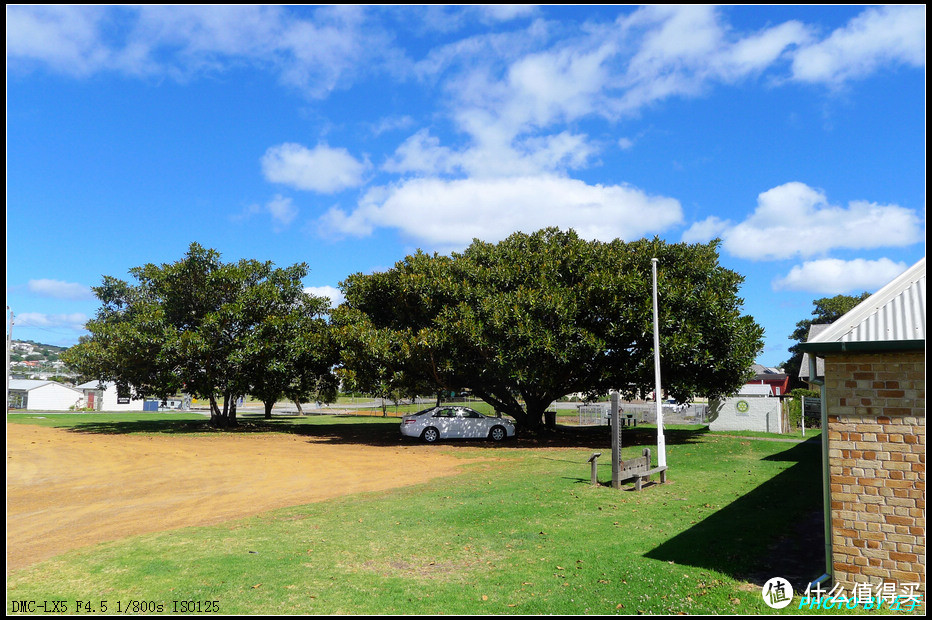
<point x="36" y="395"/>
<point x="102" y="396"/>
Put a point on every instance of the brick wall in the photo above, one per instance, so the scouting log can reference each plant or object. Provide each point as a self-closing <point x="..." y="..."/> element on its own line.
<point x="876" y="432"/>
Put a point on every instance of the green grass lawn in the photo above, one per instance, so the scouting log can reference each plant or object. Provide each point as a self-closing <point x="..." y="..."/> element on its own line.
<point x="520" y="531"/>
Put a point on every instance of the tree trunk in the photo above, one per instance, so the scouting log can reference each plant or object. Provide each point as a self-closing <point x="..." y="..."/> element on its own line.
<point x="530" y="418"/>
<point x="533" y="419"/>
<point x="214" y="412"/>
<point x="297" y="403"/>
<point x="225" y="418"/>
<point x="268" y="408"/>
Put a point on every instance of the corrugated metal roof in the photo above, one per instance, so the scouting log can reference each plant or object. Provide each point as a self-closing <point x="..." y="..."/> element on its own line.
<point x="31" y="384"/>
<point x="897" y="312"/>
<point x="26" y="384"/>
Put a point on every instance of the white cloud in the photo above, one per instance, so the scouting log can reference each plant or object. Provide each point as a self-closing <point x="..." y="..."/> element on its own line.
<point x="796" y="220"/>
<point x="451" y="213"/>
<point x="392" y="123"/>
<point x="316" y="52"/>
<point x="604" y="68"/>
<point x="60" y="290"/>
<point x="682" y="50"/>
<point x="759" y="51"/>
<point x="498" y="149"/>
<point x="560" y="85"/>
<point x="507" y="93"/>
<point x="423" y="154"/>
<point x="75" y="321"/>
<point x="496" y="152"/>
<point x="674" y="34"/>
<point x="281" y="210"/>
<point x="66" y="38"/>
<point x="706" y="230"/>
<point x="834" y="276"/>
<point x="886" y="35"/>
<point x="505" y="12"/>
<point x="334" y="294"/>
<point x="321" y="169"/>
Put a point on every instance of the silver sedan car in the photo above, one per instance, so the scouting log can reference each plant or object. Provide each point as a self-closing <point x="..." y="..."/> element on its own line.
<point x="448" y="422"/>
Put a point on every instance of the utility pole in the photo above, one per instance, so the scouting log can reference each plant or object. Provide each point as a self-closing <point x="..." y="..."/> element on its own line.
<point x="661" y="442"/>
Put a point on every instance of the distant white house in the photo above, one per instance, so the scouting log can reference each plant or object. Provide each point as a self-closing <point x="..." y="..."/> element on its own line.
<point x="102" y="396"/>
<point x="36" y="395"/>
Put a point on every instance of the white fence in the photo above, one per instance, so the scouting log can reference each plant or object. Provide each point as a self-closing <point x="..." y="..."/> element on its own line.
<point x="748" y="413"/>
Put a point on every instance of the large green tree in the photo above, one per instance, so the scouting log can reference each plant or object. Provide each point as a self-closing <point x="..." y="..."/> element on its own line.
<point x="826" y="310"/>
<point x="292" y="355"/>
<point x="537" y="316"/>
<point x="201" y="326"/>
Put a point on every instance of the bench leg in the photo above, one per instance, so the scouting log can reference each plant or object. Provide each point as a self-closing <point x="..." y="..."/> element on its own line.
<point x="637" y="483"/>
<point x="663" y="477"/>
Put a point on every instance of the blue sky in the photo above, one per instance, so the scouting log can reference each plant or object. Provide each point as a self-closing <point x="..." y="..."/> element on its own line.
<point x="347" y="137"/>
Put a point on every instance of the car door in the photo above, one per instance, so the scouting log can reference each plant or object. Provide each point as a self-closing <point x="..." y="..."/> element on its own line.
<point x="445" y="421"/>
<point x="472" y="423"/>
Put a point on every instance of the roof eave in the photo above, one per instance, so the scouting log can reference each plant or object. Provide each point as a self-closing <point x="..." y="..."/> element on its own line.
<point x="862" y="346"/>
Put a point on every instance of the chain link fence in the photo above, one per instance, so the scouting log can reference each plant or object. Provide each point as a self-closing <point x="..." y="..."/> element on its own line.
<point x="593" y="414"/>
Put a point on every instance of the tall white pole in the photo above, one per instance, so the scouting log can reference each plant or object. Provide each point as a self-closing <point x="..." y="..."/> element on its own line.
<point x="661" y="442"/>
<point x="616" y="442"/>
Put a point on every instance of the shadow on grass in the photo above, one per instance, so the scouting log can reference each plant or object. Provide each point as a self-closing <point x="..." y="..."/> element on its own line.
<point x="600" y="438"/>
<point x="349" y="430"/>
<point x="776" y="530"/>
<point x="371" y="431"/>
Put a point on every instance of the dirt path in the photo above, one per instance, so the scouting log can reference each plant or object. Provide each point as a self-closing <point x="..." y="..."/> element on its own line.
<point x="67" y="490"/>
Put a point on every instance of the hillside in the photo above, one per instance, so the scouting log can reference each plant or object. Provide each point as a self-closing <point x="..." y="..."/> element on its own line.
<point x="34" y="360"/>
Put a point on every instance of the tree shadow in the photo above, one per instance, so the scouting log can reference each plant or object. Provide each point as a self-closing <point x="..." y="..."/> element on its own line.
<point x="599" y="437"/>
<point x="776" y="530"/>
<point x="349" y="430"/>
<point x="366" y="430"/>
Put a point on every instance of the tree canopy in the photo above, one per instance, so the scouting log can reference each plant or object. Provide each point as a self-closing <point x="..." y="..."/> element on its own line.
<point x="827" y="310"/>
<point x="537" y="316"/>
<point x="211" y="329"/>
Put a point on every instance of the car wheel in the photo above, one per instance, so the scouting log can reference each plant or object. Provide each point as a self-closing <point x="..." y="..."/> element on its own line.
<point x="430" y="434"/>
<point x="498" y="433"/>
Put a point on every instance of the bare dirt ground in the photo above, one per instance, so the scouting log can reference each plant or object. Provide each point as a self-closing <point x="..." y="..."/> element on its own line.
<point x="67" y="490"/>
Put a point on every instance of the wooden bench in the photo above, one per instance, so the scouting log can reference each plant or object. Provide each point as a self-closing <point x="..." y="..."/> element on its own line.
<point x="640" y="470"/>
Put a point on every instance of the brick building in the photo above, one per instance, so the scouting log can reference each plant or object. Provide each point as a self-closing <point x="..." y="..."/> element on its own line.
<point x="873" y="409"/>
